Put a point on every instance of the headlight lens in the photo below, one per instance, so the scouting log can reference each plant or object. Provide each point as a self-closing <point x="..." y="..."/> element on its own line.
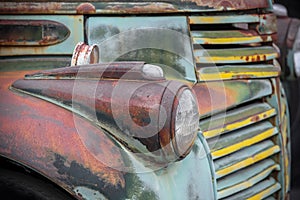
<point x="186" y="122"/>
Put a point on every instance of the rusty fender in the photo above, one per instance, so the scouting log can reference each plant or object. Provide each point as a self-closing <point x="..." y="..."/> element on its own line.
<point x="45" y="137"/>
<point x="138" y="113"/>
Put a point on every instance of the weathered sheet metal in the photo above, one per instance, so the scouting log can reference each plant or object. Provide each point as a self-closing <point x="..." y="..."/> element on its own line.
<point x="246" y="178"/>
<point x="131" y="7"/>
<point x="33" y="63"/>
<point x="132" y="115"/>
<point x="285" y="131"/>
<point x="245" y="157"/>
<point x="244" y="129"/>
<point x="43" y="136"/>
<point x="235" y="55"/>
<point x="278" y="101"/>
<point x="84" y="160"/>
<point x="265" y="188"/>
<point x="226" y="44"/>
<point x="230" y="72"/>
<point x="262" y="23"/>
<point x="85" y="54"/>
<point x="242" y="138"/>
<point x="73" y="24"/>
<point x="236" y="119"/>
<point x="214" y="97"/>
<point x="230" y="37"/>
<point x="232" y="5"/>
<point x="32" y="33"/>
<point x="117" y="70"/>
<point x="224" y="19"/>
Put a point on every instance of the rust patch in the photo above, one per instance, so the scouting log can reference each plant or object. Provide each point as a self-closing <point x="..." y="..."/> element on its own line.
<point x="33" y="130"/>
<point x="255" y="118"/>
<point x="85" y="8"/>
<point x="145" y="8"/>
<point x="20" y="32"/>
<point x="77" y="174"/>
<point x="212" y="97"/>
<point x="232" y="4"/>
<point x="85" y="54"/>
<point x="29" y="7"/>
<point x="123" y="107"/>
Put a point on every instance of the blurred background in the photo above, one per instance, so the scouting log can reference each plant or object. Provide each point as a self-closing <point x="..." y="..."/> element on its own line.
<point x="293" y="94"/>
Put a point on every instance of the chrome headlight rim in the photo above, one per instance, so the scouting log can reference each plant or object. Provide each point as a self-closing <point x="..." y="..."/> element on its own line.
<point x="182" y="149"/>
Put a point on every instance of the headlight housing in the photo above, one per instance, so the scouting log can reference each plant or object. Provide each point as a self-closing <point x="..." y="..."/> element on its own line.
<point x="154" y="117"/>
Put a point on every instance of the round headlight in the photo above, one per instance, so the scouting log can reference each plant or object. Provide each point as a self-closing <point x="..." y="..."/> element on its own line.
<point x="186" y="122"/>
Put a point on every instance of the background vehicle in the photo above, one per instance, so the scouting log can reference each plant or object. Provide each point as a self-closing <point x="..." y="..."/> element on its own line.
<point x="222" y="51"/>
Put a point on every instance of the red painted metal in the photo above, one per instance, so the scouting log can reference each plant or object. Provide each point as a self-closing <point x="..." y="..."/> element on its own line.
<point x="133" y="111"/>
<point x="38" y="133"/>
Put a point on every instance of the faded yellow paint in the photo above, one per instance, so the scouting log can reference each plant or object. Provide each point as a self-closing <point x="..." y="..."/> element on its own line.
<point x="249" y="183"/>
<point x="230" y="75"/>
<point x="265" y="193"/>
<point x="245" y="143"/>
<point x="246" y="58"/>
<point x="233" y="40"/>
<point x="287" y="176"/>
<point x="284" y="130"/>
<point x="224" y="19"/>
<point x="249" y="161"/>
<point x="239" y="124"/>
<point x="283" y="110"/>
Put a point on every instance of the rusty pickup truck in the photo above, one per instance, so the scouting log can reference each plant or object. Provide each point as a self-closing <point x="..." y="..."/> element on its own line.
<point x="152" y="99"/>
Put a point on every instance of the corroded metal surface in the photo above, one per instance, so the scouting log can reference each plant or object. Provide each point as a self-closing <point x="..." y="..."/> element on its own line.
<point x="246" y="178"/>
<point x="218" y="96"/>
<point x="236" y="55"/>
<point x="117" y="70"/>
<point x="85" y="54"/>
<point x="236" y="119"/>
<point x="242" y="145"/>
<point x="234" y="46"/>
<point x="123" y="7"/>
<point x="246" y="157"/>
<point x="231" y="5"/>
<point x="227" y="72"/>
<point x="132" y="115"/>
<point x="45" y="137"/>
<point x="74" y="154"/>
<point x="32" y="32"/>
<point x="47" y="27"/>
<point x="262" y="23"/>
<point x="230" y="37"/>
